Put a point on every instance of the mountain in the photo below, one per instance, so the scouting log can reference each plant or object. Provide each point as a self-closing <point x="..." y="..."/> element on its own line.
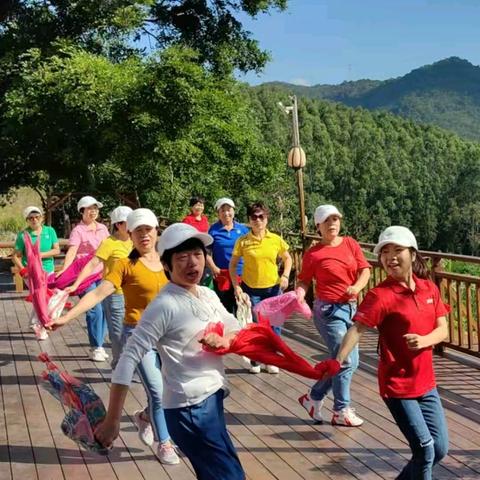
<point x="445" y="93"/>
<point x="338" y="93"/>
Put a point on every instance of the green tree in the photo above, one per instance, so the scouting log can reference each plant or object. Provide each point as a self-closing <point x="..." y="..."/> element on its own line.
<point x="82" y="108"/>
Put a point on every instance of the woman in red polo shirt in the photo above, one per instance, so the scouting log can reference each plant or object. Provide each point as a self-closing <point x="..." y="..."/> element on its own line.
<point x="340" y="271"/>
<point x="410" y="317"/>
<point x="196" y="218"/>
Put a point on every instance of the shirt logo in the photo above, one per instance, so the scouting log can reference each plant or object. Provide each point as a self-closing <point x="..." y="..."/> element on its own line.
<point x="429" y="300"/>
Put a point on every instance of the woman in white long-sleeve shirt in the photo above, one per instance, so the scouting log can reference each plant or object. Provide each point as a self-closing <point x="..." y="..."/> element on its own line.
<point x="194" y="380"/>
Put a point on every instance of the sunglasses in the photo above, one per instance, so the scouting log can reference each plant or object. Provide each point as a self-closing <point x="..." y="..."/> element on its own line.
<point x="259" y="216"/>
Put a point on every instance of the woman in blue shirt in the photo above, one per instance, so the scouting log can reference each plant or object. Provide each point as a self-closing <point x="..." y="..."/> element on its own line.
<point x="225" y="233"/>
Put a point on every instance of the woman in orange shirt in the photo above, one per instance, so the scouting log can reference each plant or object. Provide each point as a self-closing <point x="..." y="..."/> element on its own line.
<point x="141" y="277"/>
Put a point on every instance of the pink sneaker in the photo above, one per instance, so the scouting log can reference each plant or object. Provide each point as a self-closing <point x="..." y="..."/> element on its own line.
<point x="313" y="407"/>
<point x="346" y="417"/>
<point x="145" y="430"/>
<point x="166" y="453"/>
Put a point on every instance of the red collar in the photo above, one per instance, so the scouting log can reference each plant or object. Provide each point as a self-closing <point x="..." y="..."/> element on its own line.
<point x="397" y="287"/>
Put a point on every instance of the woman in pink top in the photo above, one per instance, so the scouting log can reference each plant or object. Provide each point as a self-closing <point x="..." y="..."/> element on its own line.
<point x="84" y="240"/>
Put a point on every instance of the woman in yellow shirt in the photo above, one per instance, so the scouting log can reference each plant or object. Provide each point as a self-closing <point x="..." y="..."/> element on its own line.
<point x="141" y="277"/>
<point x="260" y="250"/>
<point x="116" y="246"/>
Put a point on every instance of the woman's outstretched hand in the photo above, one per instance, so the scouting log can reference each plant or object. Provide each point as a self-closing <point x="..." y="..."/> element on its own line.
<point x="57" y="323"/>
<point x="214" y="340"/>
<point x="107" y="432"/>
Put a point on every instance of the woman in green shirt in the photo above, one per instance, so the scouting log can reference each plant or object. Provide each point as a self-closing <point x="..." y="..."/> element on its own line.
<point x="49" y="246"/>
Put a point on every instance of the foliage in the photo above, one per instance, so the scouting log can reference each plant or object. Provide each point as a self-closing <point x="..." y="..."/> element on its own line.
<point x="163" y="127"/>
<point x="211" y="27"/>
<point x="464" y="268"/>
<point x="82" y="109"/>
<point x="10" y="226"/>
<point x="382" y="170"/>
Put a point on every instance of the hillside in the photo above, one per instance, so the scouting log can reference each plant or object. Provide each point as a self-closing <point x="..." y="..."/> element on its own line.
<point x="339" y="93"/>
<point x="379" y="168"/>
<point x="446" y="93"/>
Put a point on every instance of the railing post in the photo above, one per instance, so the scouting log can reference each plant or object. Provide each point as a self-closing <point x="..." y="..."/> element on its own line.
<point x="437" y="266"/>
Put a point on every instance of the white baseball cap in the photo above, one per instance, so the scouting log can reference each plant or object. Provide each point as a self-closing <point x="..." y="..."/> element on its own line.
<point x="324" y="211"/>
<point x="88" y="201"/>
<point x="141" y="216"/>
<point x="224" y="201"/>
<point x="120" y="214"/>
<point x="178" y="233"/>
<point x="397" y="235"/>
<point x="31" y="209"/>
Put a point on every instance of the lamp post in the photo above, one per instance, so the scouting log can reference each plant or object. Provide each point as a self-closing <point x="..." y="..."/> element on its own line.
<point x="297" y="160"/>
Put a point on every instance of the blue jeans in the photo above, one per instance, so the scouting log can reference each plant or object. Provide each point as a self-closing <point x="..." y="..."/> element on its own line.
<point x="201" y="434"/>
<point x="114" y="308"/>
<point x="258" y="294"/>
<point x="96" y="324"/>
<point x="332" y="321"/>
<point x="149" y="371"/>
<point x="422" y="421"/>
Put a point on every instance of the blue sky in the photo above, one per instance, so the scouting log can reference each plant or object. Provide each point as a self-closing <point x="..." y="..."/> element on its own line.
<point x="329" y="41"/>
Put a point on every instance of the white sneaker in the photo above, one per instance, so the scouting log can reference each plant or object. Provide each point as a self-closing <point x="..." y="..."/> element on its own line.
<point x="346" y="417"/>
<point x="255" y="369"/>
<point x="105" y="354"/>
<point x="313" y="407"/>
<point x="145" y="430"/>
<point x="33" y="322"/>
<point x="272" y="369"/>
<point x="166" y="453"/>
<point x="97" y="355"/>
<point x="42" y="334"/>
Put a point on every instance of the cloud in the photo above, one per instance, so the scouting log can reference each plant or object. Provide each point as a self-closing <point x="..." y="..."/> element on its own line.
<point x="300" y="81"/>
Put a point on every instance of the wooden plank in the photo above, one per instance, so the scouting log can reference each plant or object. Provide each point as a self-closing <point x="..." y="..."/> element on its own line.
<point x="458" y="298"/>
<point x="17" y="279"/>
<point x="45" y="454"/>
<point x="142" y="458"/>
<point x="72" y="354"/>
<point x="451" y="315"/>
<point x="454" y="465"/>
<point x="468" y="312"/>
<point x="274" y="436"/>
<point x="70" y="458"/>
<point x="477" y="317"/>
<point x="22" y="461"/>
<point x="5" y="358"/>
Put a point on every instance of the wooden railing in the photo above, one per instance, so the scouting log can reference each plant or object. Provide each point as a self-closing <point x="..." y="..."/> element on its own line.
<point x="461" y="292"/>
<point x="6" y="252"/>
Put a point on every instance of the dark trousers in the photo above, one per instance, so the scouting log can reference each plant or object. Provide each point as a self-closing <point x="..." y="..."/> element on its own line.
<point x="227" y="297"/>
<point x="201" y="434"/>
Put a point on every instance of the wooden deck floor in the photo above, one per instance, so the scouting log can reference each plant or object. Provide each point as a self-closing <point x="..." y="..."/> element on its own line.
<point x="274" y="437"/>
